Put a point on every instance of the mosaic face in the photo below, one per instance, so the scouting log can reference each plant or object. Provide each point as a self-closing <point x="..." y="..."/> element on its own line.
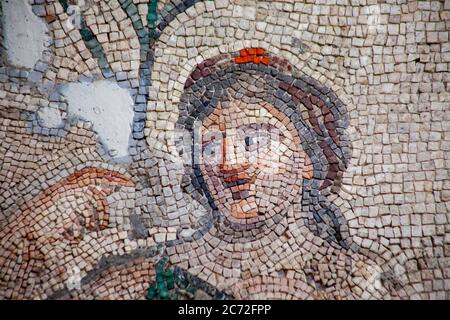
<point x="252" y="159"/>
<point x="264" y="139"/>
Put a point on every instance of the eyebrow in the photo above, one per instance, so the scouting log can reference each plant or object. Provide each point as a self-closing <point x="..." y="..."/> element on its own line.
<point x="245" y="128"/>
<point x="263" y="126"/>
<point x="258" y="126"/>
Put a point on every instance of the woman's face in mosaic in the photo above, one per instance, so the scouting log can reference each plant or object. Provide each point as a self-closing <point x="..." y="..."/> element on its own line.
<point x="252" y="160"/>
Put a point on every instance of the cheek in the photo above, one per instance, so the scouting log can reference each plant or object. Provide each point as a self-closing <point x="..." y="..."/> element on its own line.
<point x="211" y="177"/>
<point x="207" y="171"/>
<point x="276" y="159"/>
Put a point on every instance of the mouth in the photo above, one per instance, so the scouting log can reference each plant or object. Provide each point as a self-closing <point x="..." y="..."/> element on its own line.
<point x="235" y="181"/>
<point x="239" y="185"/>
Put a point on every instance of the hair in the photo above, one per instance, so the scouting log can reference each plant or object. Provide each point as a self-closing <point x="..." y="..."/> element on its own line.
<point x="316" y="112"/>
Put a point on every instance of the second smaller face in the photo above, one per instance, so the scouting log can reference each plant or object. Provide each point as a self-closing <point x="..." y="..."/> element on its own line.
<point x="252" y="159"/>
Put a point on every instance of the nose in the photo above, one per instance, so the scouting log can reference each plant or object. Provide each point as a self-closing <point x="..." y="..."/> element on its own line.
<point x="234" y="161"/>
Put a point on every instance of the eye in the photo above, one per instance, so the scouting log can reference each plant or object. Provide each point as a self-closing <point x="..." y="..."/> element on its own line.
<point x="250" y="141"/>
<point x="256" y="141"/>
<point x="211" y="150"/>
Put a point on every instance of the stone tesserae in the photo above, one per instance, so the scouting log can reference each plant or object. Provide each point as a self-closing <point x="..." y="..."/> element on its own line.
<point x="225" y="149"/>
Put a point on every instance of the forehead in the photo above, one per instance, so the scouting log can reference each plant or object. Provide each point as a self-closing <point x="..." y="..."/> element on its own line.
<point x="235" y="113"/>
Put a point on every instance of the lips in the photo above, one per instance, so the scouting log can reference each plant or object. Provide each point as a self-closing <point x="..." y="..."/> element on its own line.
<point x="236" y="183"/>
<point x="235" y="180"/>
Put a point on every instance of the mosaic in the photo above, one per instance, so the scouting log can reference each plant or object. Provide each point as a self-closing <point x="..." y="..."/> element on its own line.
<point x="225" y="149"/>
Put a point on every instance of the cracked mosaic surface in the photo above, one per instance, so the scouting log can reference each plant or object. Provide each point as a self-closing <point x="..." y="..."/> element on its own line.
<point x="272" y="150"/>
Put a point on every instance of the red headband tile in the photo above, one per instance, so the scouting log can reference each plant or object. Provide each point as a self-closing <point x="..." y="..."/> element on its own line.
<point x="252" y="55"/>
